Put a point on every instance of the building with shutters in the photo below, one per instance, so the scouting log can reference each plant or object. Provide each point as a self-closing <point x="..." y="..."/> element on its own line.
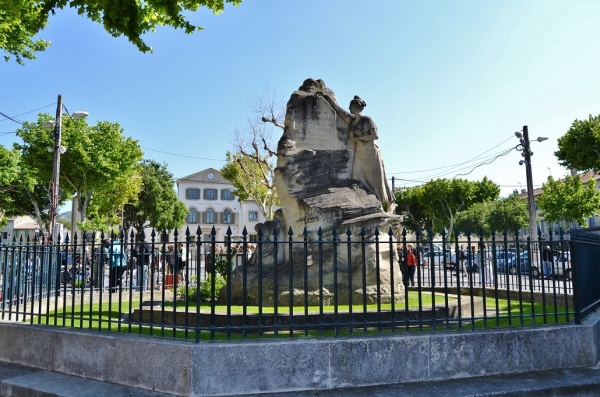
<point x="210" y="201"/>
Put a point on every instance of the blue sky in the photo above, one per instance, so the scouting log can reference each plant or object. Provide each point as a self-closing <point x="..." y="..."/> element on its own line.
<point x="446" y="82"/>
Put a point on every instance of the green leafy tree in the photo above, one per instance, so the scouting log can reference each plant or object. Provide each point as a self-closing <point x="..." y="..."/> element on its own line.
<point x="443" y="199"/>
<point x="157" y="203"/>
<point x="99" y="160"/>
<point x="20" y="191"/>
<point x="410" y="204"/>
<point x="21" y="20"/>
<point x="106" y="210"/>
<point x="508" y="214"/>
<point x="9" y="175"/>
<point x="569" y="200"/>
<point x="252" y="178"/>
<point x="474" y="220"/>
<point x="579" y="148"/>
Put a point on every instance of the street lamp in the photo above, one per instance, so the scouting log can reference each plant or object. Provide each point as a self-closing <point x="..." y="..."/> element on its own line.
<point x="58" y="149"/>
<point x="525" y="149"/>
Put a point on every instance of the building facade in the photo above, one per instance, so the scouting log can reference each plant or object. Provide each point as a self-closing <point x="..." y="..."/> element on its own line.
<point x="211" y="203"/>
<point x="19" y="228"/>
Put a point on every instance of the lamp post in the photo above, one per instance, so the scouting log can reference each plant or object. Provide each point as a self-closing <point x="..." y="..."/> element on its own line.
<point x="58" y="149"/>
<point x="525" y="148"/>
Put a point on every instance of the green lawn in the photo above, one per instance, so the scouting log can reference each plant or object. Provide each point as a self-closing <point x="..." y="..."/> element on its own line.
<point x="109" y="318"/>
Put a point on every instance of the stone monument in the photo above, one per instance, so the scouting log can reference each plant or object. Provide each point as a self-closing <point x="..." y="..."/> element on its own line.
<point x="331" y="183"/>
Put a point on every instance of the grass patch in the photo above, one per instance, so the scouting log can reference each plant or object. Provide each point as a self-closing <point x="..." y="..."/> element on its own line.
<point x="114" y="318"/>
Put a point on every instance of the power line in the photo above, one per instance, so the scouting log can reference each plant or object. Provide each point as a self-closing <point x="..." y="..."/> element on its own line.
<point x="183" y="155"/>
<point x="14" y="118"/>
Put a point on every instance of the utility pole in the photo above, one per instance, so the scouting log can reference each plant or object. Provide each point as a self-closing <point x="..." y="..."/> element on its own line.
<point x="527" y="153"/>
<point x="55" y="192"/>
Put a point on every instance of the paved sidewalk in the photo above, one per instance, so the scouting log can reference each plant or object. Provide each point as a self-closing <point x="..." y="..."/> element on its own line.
<point x="18" y="381"/>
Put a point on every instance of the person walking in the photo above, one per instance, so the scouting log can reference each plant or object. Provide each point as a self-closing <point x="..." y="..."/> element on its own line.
<point x="486" y="266"/>
<point x="547" y="262"/>
<point x="118" y="263"/>
<point x="411" y="264"/>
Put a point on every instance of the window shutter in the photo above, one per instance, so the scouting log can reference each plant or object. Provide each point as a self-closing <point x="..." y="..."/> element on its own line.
<point x="233" y="218"/>
<point x="203" y="217"/>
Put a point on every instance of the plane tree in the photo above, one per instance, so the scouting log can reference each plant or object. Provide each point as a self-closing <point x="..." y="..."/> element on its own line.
<point x="507" y="214"/>
<point x="157" y="204"/>
<point x="443" y="199"/>
<point x="20" y="192"/>
<point x="569" y="200"/>
<point x="579" y="148"/>
<point x="98" y="161"/>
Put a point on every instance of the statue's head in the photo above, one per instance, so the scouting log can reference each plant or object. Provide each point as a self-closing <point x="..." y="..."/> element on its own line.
<point x="357" y="103"/>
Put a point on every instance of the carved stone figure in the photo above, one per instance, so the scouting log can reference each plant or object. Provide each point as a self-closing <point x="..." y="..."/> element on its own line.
<point x="331" y="183"/>
<point x="367" y="166"/>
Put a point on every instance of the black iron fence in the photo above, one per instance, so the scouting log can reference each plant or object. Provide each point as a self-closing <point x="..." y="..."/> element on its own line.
<point x="196" y="289"/>
<point x="585" y="245"/>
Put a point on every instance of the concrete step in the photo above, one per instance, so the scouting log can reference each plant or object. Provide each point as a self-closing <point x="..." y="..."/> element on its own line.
<point x="580" y="382"/>
<point x="19" y="381"/>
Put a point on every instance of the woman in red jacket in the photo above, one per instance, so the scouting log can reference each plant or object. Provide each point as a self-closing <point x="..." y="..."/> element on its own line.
<point x="411" y="264"/>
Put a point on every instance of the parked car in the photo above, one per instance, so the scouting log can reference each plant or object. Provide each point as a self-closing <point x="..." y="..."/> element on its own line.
<point x="502" y="257"/>
<point x="559" y="269"/>
<point x="471" y="263"/>
<point x="438" y="257"/>
<point x="523" y="265"/>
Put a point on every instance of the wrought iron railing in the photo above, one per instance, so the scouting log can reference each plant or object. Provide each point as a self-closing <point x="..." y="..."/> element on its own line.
<point x="196" y="289"/>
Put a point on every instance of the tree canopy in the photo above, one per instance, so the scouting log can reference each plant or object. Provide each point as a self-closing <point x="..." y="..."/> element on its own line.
<point x="579" y="148"/>
<point x="443" y="199"/>
<point x="20" y="191"/>
<point x="410" y="204"/>
<point x="157" y="204"/>
<point x="99" y="160"/>
<point x="252" y="178"/>
<point x="569" y="200"/>
<point x="436" y="204"/>
<point x="21" y="20"/>
<point x="508" y="214"/>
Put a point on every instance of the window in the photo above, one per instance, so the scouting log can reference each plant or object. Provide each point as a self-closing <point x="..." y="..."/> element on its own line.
<point x="210" y="194"/>
<point x="253" y="215"/>
<point x="227" y="217"/>
<point x="192" y="216"/>
<point x="192" y="193"/>
<point x="210" y="215"/>
<point x="227" y="194"/>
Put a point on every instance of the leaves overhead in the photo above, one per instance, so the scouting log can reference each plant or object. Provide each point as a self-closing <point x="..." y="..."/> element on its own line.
<point x="21" y="20"/>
